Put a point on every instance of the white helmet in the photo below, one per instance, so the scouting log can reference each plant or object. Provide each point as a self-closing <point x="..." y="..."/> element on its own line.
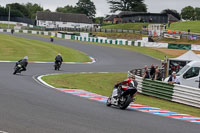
<point x="26" y="57"/>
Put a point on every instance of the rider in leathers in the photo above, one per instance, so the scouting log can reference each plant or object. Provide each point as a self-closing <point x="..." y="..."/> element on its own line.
<point x="58" y="59"/>
<point x="23" y="62"/>
<point x="127" y="86"/>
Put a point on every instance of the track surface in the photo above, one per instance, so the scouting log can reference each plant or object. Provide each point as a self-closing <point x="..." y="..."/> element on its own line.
<point x="29" y="107"/>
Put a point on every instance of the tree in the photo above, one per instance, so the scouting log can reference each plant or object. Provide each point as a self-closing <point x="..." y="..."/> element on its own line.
<point x="67" y="9"/>
<point x="47" y="10"/>
<point x="99" y="20"/>
<point x="20" y="8"/>
<point x="197" y="13"/>
<point x="172" y="12"/>
<point x="188" y="13"/>
<point x="127" y="5"/>
<point x="33" y="8"/>
<point x="86" y="7"/>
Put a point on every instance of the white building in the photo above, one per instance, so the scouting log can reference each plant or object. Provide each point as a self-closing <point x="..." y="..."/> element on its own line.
<point x="63" y="20"/>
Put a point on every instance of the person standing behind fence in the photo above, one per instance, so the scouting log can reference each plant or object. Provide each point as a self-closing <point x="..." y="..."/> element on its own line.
<point x="173" y="79"/>
<point x="152" y="71"/>
<point x="146" y="72"/>
<point x="157" y="75"/>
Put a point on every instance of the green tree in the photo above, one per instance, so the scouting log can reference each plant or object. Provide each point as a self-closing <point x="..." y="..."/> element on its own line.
<point x="47" y="10"/>
<point x="19" y="8"/>
<point x="127" y="5"/>
<point x="172" y="12"/>
<point x="99" y="20"/>
<point x="197" y="13"/>
<point x="86" y="7"/>
<point x="67" y="9"/>
<point x="188" y="13"/>
<point x="33" y="8"/>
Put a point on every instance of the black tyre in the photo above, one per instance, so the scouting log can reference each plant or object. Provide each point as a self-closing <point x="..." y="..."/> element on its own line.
<point x="108" y="103"/>
<point x="16" y="70"/>
<point x="126" y="103"/>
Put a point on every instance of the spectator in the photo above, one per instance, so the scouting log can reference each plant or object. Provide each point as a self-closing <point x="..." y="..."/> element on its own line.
<point x="157" y="75"/>
<point x="173" y="79"/>
<point x="146" y="72"/>
<point x="152" y="71"/>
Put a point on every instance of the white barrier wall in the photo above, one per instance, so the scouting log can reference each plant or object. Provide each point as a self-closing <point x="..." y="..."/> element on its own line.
<point x="186" y="95"/>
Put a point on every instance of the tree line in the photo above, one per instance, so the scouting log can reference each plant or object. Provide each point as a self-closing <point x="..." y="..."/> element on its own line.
<point x="88" y="7"/>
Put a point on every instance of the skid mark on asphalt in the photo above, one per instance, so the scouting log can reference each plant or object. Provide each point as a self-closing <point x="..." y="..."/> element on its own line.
<point x="138" y="107"/>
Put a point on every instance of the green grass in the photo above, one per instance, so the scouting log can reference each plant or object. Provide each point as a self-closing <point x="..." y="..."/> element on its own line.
<point x="126" y="26"/>
<point x="6" y="26"/>
<point x="194" y="26"/>
<point x="102" y="83"/>
<point x="14" y="48"/>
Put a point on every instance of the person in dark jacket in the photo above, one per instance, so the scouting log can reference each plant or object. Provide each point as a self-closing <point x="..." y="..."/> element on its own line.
<point x="157" y="75"/>
<point x="152" y="71"/>
<point x="23" y="62"/>
<point x="58" y="59"/>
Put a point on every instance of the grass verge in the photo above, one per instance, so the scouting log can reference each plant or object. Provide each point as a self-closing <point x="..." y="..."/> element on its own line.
<point x="14" y="48"/>
<point x="102" y="83"/>
<point x="184" y="26"/>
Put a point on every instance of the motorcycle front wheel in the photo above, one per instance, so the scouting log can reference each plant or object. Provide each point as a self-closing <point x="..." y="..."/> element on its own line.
<point x="108" y="103"/>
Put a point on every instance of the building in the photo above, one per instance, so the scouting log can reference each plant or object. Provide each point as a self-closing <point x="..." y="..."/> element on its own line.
<point x="131" y="17"/>
<point x="62" y="20"/>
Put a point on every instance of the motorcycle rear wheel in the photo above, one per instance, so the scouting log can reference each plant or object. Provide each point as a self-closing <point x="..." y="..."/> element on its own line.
<point x="126" y="103"/>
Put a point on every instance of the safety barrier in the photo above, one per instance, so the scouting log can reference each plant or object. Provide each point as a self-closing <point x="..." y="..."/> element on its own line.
<point x="140" y="43"/>
<point x="157" y="89"/>
<point x="186" y="95"/>
<point x="176" y="93"/>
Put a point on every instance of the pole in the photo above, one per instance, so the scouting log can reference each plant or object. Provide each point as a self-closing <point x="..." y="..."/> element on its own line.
<point x="9" y="18"/>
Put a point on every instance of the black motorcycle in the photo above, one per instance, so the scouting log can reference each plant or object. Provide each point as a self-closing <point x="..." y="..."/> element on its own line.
<point x="51" y="39"/>
<point x="18" y="68"/>
<point x="57" y="65"/>
<point x="120" y="98"/>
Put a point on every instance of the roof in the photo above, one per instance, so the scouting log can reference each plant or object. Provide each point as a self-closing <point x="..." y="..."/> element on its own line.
<point x="64" y="17"/>
<point x="188" y="56"/>
<point x="110" y="17"/>
<point x="130" y="13"/>
<point x="172" y="18"/>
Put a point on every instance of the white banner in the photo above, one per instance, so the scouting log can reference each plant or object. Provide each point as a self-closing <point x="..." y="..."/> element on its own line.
<point x="172" y="36"/>
<point x="195" y="47"/>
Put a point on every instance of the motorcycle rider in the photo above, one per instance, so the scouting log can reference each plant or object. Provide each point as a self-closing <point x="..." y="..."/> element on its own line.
<point x="127" y="86"/>
<point x="58" y="59"/>
<point x="51" y="38"/>
<point x="23" y="62"/>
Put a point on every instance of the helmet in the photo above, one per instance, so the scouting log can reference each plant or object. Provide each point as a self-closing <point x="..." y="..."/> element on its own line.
<point x="130" y="75"/>
<point x="26" y="57"/>
<point x="59" y="54"/>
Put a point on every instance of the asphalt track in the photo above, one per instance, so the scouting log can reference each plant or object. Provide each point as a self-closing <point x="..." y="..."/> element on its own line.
<point x="29" y="107"/>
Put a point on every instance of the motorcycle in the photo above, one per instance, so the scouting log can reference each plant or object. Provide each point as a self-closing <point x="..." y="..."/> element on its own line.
<point x="57" y="65"/>
<point x="18" y="68"/>
<point x="120" y="98"/>
<point x="51" y="39"/>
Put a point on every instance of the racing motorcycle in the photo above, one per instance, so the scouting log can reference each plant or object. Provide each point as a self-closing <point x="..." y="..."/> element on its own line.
<point x="18" y="68"/>
<point x="57" y="65"/>
<point x="120" y="98"/>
